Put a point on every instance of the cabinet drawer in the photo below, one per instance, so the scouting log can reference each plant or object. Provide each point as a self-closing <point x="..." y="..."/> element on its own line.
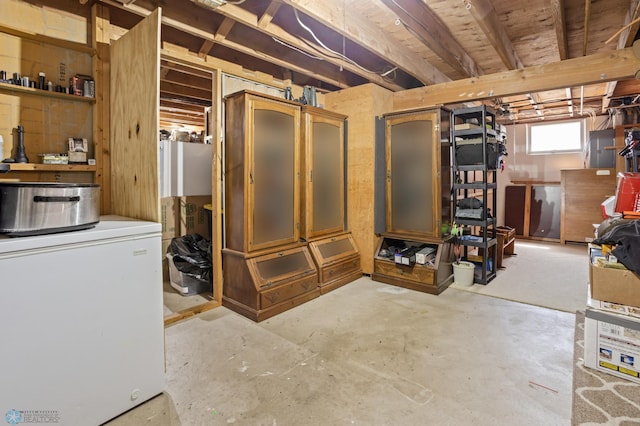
<point x="287" y="290"/>
<point x="340" y="269"/>
<point x="415" y="273"/>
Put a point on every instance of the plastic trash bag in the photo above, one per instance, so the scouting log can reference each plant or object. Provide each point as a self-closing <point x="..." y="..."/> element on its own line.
<point x="192" y="256"/>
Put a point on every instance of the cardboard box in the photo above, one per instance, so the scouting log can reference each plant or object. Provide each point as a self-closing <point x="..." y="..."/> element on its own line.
<point x="169" y="212"/>
<point x="193" y="217"/>
<point x="619" y="286"/>
<point x="612" y="344"/>
<point x="614" y="308"/>
<point x="165" y="263"/>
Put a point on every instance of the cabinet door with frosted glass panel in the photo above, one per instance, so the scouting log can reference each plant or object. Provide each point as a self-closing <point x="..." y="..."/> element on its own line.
<point x="412" y="174"/>
<point x="323" y="191"/>
<point x="273" y="200"/>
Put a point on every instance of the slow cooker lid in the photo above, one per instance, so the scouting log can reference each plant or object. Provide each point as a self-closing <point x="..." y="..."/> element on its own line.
<point x="48" y="185"/>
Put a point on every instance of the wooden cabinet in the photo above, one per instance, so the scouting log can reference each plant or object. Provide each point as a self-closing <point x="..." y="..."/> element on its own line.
<point x="267" y="269"/>
<point x="49" y="118"/>
<point x="433" y="276"/>
<point x="583" y="190"/>
<point x="417" y="193"/>
<point x="323" y="198"/>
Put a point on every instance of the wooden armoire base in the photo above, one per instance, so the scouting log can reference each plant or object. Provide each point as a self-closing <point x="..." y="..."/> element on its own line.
<point x="261" y="286"/>
<point x="431" y="278"/>
<point x="337" y="259"/>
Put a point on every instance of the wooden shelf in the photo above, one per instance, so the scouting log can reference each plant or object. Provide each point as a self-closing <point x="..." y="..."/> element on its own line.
<point x="5" y="87"/>
<point x="33" y="167"/>
<point x="79" y="47"/>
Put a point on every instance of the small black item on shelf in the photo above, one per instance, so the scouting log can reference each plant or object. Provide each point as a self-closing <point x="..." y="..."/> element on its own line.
<point x="20" y="157"/>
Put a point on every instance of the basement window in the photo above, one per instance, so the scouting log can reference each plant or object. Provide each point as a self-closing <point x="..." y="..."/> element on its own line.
<point x="560" y="137"/>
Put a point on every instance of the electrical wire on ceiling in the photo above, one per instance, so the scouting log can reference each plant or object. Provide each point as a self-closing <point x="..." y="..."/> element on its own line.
<point x="338" y="54"/>
<point x="297" y="49"/>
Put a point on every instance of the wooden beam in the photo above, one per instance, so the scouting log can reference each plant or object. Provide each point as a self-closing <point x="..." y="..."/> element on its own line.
<point x="205" y="48"/>
<point x="187" y="80"/>
<point x="425" y="25"/>
<point x="268" y="14"/>
<point x="584" y="70"/>
<point x="560" y="24"/>
<point x="358" y="29"/>
<point x="224" y="29"/>
<point x="625" y="40"/>
<point x="249" y="19"/>
<point x="184" y="91"/>
<point x="487" y="19"/>
<point x="245" y="49"/>
<point x="587" y="18"/>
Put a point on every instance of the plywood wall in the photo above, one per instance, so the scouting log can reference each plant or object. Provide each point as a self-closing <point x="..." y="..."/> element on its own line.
<point x="361" y="104"/>
<point x="48" y="122"/>
<point x="135" y="63"/>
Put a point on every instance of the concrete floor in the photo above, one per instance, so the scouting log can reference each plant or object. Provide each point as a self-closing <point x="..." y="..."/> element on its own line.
<point x="370" y="354"/>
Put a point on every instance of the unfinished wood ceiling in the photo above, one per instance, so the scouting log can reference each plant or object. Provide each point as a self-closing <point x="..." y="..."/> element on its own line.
<point x="404" y="44"/>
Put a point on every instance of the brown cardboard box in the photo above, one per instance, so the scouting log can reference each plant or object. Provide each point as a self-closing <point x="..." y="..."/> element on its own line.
<point x="193" y="217"/>
<point x="165" y="263"/>
<point x="169" y="216"/>
<point x="615" y="285"/>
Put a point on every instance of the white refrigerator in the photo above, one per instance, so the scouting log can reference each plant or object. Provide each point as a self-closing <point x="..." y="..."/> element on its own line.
<point x="81" y="323"/>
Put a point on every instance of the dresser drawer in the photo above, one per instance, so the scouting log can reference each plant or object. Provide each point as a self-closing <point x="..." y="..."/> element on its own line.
<point x="416" y="273"/>
<point x="288" y="290"/>
<point x="337" y="270"/>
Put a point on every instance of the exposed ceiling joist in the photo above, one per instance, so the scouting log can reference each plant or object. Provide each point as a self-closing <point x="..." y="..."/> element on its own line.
<point x="358" y="29"/>
<point x="245" y="49"/>
<point x="268" y="14"/>
<point x="587" y="17"/>
<point x="625" y="40"/>
<point x="205" y="48"/>
<point x="487" y="19"/>
<point x="596" y="68"/>
<point x="249" y="19"/>
<point x="190" y="92"/>
<point x="223" y="31"/>
<point x="560" y="25"/>
<point x="433" y="33"/>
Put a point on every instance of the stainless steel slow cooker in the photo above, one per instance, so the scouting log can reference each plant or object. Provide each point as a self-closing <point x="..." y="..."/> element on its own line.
<point x="34" y="208"/>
